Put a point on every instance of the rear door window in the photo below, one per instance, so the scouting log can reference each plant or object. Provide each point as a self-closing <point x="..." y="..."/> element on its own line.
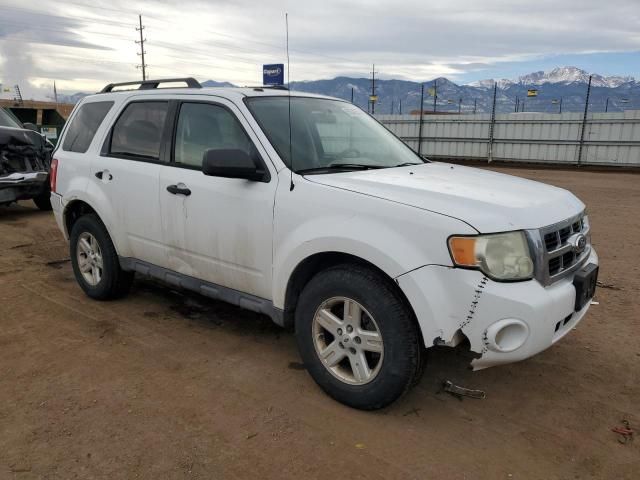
<point x="138" y="131"/>
<point x="84" y="126"/>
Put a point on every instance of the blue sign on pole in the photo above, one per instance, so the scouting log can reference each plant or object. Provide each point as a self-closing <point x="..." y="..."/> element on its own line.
<point x="273" y="74"/>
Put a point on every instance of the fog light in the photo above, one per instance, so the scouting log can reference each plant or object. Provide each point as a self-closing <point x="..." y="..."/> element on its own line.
<point x="506" y="335"/>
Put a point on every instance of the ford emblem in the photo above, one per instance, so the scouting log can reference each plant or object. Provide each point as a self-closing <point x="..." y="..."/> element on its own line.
<point x="578" y="242"/>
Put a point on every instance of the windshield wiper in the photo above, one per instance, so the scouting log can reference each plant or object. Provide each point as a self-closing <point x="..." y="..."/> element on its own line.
<point x="406" y="164"/>
<point x="339" y="166"/>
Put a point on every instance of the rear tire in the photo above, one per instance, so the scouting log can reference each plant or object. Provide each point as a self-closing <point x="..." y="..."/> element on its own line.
<point x="95" y="261"/>
<point x="43" y="201"/>
<point x="379" y="330"/>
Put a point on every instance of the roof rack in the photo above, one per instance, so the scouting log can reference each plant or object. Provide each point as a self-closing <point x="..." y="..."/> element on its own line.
<point x="151" y="84"/>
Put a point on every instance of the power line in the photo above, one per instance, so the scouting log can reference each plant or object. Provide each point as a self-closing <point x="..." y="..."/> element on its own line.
<point x="172" y="23"/>
<point x="51" y="29"/>
<point x="128" y="25"/>
<point x="125" y="25"/>
<point x="181" y="48"/>
<point x="272" y="45"/>
<point x="66" y="17"/>
<point x="98" y="7"/>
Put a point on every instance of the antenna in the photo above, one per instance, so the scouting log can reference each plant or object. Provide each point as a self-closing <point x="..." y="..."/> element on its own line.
<point x="291" y="185"/>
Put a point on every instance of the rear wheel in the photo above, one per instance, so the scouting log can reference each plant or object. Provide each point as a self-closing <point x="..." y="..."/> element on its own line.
<point x="357" y="337"/>
<point x="43" y="201"/>
<point x="95" y="261"/>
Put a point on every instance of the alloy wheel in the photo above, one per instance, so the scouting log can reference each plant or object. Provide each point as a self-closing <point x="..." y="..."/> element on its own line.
<point x="347" y="340"/>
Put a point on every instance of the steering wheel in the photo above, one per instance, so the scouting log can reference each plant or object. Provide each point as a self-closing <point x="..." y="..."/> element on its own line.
<point x="349" y="153"/>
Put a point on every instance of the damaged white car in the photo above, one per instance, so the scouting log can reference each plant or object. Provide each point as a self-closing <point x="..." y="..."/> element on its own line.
<point x="308" y="210"/>
<point x="25" y="157"/>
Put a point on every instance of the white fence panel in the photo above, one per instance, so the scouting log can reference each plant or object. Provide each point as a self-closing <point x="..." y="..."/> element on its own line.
<point x="609" y="138"/>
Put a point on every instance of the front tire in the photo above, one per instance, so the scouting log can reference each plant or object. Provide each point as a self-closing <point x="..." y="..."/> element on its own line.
<point x="95" y="261"/>
<point x="357" y="337"/>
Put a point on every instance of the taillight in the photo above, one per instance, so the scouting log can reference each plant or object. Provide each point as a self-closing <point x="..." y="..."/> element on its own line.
<point x="53" y="174"/>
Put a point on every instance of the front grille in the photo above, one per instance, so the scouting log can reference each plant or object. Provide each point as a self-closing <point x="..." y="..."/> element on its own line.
<point x="560" y="256"/>
<point x="551" y="241"/>
<point x="554" y="266"/>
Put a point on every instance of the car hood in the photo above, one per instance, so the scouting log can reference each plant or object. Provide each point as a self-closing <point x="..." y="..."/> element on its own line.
<point x="488" y="201"/>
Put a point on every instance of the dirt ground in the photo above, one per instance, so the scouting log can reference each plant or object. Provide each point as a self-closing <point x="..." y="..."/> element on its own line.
<point x="165" y="384"/>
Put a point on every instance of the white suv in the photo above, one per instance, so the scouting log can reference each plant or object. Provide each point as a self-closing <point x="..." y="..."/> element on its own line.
<point x="306" y="209"/>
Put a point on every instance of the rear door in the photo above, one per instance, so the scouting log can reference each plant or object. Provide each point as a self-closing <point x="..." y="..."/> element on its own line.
<point x="222" y="230"/>
<point x="73" y="152"/>
<point x="126" y="176"/>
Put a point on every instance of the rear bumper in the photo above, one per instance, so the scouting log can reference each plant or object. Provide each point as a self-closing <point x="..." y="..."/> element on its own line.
<point x="448" y="301"/>
<point x="58" y="213"/>
<point x="21" y="186"/>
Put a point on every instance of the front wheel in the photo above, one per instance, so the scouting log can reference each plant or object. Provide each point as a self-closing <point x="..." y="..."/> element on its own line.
<point x="357" y="337"/>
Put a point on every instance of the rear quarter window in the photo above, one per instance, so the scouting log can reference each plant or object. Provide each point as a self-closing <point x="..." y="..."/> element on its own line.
<point x="84" y="125"/>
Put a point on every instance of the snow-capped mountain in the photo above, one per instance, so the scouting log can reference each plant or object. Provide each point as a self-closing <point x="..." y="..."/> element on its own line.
<point x="563" y="87"/>
<point x="503" y="83"/>
<point x="564" y="75"/>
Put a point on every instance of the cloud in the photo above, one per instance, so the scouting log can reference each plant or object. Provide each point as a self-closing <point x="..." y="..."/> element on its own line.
<point x="25" y="36"/>
<point x="88" y="44"/>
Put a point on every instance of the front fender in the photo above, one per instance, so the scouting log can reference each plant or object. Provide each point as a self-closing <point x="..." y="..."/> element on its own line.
<point x="285" y="265"/>
<point x="315" y="218"/>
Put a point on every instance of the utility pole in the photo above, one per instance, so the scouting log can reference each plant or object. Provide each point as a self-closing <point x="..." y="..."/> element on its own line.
<point x="391" y="106"/>
<point x="421" y="120"/>
<point x="142" y="52"/>
<point x="475" y="104"/>
<point x="560" y="108"/>
<point x="606" y="106"/>
<point x="351" y="94"/>
<point x="373" y="89"/>
<point x="400" y="111"/>
<point x="492" y="124"/>
<point x="460" y="106"/>
<point x="584" y="121"/>
<point x="435" y="94"/>
<point x="516" y="107"/>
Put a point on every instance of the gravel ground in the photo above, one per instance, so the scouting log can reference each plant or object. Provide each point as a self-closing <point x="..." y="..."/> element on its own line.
<point x="164" y="384"/>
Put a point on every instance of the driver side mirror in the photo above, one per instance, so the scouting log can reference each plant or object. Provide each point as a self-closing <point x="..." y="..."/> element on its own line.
<point x="31" y="126"/>
<point x="231" y="163"/>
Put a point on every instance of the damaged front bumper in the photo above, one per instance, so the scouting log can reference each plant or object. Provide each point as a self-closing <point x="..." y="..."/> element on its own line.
<point x="25" y="159"/>
<point x="504" y="322"/>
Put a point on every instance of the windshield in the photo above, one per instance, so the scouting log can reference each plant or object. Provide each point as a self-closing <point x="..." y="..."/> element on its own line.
<point x="328" y="134"/>
<point x="7" y="119"/>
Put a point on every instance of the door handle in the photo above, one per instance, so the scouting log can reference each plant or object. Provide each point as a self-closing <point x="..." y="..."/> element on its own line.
<point x="180" y="189"/>
<point x="100" y="175"/>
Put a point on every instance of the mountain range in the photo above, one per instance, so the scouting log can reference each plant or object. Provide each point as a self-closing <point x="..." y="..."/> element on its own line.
<point x="566" y="84"/>
<point x="563" y="87"/>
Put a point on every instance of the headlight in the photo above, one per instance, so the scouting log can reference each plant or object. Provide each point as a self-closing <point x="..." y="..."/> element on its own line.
<point x="500" y="256"/>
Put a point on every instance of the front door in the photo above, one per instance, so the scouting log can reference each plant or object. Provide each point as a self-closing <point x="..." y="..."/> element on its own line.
<point x="217" y="229"/>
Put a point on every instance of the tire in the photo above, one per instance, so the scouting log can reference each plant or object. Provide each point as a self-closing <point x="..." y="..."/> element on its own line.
<point x="393" y="370"/>
<point x="43" y="201"/>
<point x="111" y="281"/>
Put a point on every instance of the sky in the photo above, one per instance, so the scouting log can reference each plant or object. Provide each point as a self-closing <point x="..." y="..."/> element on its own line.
<point x="83" y="45"/>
